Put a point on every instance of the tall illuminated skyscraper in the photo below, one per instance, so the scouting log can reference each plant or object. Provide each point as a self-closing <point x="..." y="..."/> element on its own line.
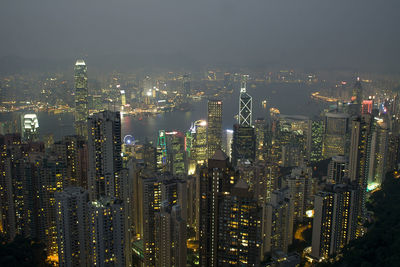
<point x="81" y="97"/>
<point x="199" y="141"/>
<point x="214" y="131"/>
<point x="245" y="105"/>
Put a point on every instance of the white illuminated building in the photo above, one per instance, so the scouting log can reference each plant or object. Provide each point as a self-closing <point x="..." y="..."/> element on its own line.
<point x="30" y="127"/>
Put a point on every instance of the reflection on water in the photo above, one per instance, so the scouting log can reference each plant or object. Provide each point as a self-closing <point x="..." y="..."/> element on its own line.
<point x="288" y="98"/>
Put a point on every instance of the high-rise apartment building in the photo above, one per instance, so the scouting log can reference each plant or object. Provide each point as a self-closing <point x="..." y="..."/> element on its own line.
<point x="338" y="169"/>
<point x="335" y="220"/>
<point x="73" y="235"/>
<point x="239" y="228"/>
<point x="359" y="160"/>
<point x="170" y="236"/>
<point x="104" y="155"/>
<point x="215" y="180"/>
<point x="108" y="237"/>
<point x="277" y="223"/>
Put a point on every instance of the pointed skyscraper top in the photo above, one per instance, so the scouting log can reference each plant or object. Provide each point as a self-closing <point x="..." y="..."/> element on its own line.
<point x="219" y="155"/>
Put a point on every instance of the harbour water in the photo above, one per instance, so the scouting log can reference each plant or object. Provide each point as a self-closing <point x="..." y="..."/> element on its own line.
<point x="289" y="98"/>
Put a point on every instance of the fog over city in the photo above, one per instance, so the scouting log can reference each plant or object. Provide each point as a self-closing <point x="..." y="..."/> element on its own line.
<point x="144" y="133"/>
<point x="357" y="34"/>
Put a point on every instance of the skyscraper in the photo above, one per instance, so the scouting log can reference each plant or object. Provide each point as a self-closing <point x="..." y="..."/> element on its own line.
<point x="214" y="131"/>
<point x="199" y="141"/>
<point x="30" y="127"/>
<point x="335" y="220"/>
<point x="245" y="105"/>
<point x="239" y="228"/>
<point x="104" y="150"/>
<point x="359" y="160"/>
<point x="81" y="98"/>
<point x="215" y="179"/>
<point x="336" y="131"/>
<point x="243" y="144"/>
<point x="357" y="92"/>
<point x="170" y="237"/>
<point x="108" y="237"/>
<point x="338" y="169"/>
<point x="277" y="223"/>
<point x="73" y="234"/>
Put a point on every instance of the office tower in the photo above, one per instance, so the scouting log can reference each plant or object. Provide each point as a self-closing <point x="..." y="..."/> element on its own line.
<point x="336" y="130"/>
<point x="73" y="236"/>
<point x="30" y="127"/>
<point x="261" y="132"/>
<point x="108" y="237"/>
<point x="149" y="156"/>
<point x="81" y="98"/>
<point x="214" y="130"/>
<point x="170" y="237"/>
<point x="245" y="105"/>
<point x="215" y="179"/>
<point x="228" y="136"/>
<point x="176" y="157"/>
<point x="335" y="220"/>
<point x="123" y="98"/>
<point x="176" y="153"/>
<point x="104" y="154"/>
<point x="261" y="176"/>
<point x="199" y="141"/>
<point x="277" y="223"/>
<point x="367" y="106"/>
<point x="186" y="84"/>
<point x="162" y="159"/>
<point x="317" y="131"/>
<point x="298" y="131"/>
<point x="357" y="92"/>
<point x="239" y="228"/>
<point x="359" y="160"/>
<point x="338" y="169"/>
<point x="243" y="144"/>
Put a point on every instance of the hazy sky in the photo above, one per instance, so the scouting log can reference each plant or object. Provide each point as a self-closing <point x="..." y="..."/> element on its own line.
<point x="328" y="33"/>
